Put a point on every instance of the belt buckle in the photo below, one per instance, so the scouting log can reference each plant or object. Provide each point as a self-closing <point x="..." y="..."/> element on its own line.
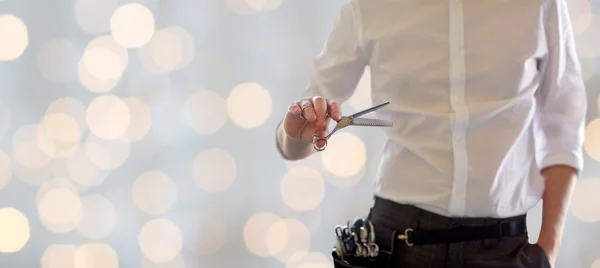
<point x="404" y="237"/>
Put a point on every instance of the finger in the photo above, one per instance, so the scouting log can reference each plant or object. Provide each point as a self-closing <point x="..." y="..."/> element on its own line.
<point x="320" y="106"/>
<point x="295" y="111"/>
<point x="307" y="110"/>
<point x="334" y="109"/>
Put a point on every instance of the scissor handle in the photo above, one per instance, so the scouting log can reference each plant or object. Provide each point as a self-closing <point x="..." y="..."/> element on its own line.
<point x="316" y="139"/>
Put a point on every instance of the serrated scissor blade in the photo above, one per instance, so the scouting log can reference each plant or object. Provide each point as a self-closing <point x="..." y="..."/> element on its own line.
<point x="363" y="112"/>
<point x="370" y="122"/>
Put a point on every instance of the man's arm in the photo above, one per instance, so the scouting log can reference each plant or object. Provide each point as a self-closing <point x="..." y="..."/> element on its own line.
<point x="335" y="73"/>
<point x="559" y="124"/>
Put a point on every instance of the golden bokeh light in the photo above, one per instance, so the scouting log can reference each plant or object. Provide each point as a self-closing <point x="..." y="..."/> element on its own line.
<point x="55" y="183"/>
<point x="288" y="240"/>
<point x="5" y="119"/>
<point x="141" y="119"/>
<point x="586" y="203"/>
<point x="160" y="240"/>
<point x="132" y="25"/>
<point x="14" y="37"/>
<point x="154" y="192"/>
<point x="361" y="99"/>
<point x="595" y="264"/>
<point x="249" y="105"/>
<point x="102" y="63"/>
<point x="98" y="79"/>
<point x="592" y="35"/>
<point x="93" y="16"/>
<point x="302" y="188"/>
<point x="95" y="256"/>
<point x="580" y="12"/>
<point x="108" y="117"/>
<point x="205" y="112"/>
<point x="108" y="154"/>
<point x="591" y="143"/>
<point x="14" y="230"/>
<point x="71" y="107"/>
<point x="34" y="177"/>
<point x="58" y="135"/>
<point x="26" y="150"/>
<point x="255" y="233"/>
<point x="177" y="262"/>
<point x="5" y="169"/>
<point x="170" y="49"/>
<point x="99" y="217"/>
<point x="57" y="60"/>
<point x="214" y="170"/>
<point x="59" y="256"/>
<point x="60" y="209"/>
<point x="312" y="260"/>
<point x="346" y="154"/>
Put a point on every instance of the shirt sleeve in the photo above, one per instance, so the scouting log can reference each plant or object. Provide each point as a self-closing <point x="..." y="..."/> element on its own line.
<point x="561" y="99"/>
<point x="338" y="68"/>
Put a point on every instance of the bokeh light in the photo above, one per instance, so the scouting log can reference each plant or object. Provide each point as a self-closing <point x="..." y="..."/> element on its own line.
<point x="108" y="154"/>
<point x="346" y="154"/>
<point x="83" y="171"/>
<point x="108" y="117"/>
<point x="107" y="60"/>
<point x="302" y="188"/>
<point x="249" y="105"/>
<point x="26" y="150"/>
<point x="288" y="240"/>
<point x="592" y="142"/>
<point x="141" y="119"/>
<point x="14" y="37"/>
<point x="132" y="25"/>
<point x="96" y="255"/>
<point x="255" y="234"/>
<point x="214" y="170"/>
<point x="14" y="230"/>
<point x="312" y="260"/>
<point x="60" y="209"/>
<point x="160" y="240"/>
<point x="154" y="192"/>
<point x="170" y="49"/>
<point x="205" y="112"/>
<point x="585" y="204"/>
<point x="59" y="256"/>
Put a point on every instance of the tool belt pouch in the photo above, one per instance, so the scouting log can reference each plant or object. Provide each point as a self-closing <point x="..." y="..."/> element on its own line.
<point x="356" y="246"/>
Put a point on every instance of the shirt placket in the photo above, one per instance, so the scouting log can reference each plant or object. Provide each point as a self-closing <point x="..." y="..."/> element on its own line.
<point x="460" y="113"/>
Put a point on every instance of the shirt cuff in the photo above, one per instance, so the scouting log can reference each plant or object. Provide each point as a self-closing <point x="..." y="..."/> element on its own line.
<point x="567" y="159"/>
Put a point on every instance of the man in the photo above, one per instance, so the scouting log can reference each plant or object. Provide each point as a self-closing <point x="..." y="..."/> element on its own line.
<point x="488" y="105"/>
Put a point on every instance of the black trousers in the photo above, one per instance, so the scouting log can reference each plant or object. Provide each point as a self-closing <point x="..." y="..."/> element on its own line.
<point x="506" y="252"/>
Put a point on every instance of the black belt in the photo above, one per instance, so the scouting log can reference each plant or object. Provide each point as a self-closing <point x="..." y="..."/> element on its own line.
<point x="506" y="228"/>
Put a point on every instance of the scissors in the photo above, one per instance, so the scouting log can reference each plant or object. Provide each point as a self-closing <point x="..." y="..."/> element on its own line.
<point x="354" y="120"/>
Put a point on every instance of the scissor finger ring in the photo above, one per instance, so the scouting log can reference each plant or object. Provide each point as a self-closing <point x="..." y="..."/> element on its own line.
<point x="316" y="139"/>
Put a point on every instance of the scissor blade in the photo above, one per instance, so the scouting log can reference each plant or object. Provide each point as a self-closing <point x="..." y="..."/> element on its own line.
<point x="370" y="122"/>
<point x="369" y="110"/>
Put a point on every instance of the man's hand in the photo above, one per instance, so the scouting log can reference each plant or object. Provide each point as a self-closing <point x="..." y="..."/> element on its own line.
<point x="310" y="116"/>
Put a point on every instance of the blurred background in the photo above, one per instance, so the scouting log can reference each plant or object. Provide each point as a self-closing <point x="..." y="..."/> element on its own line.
<point x="142" y="134"/>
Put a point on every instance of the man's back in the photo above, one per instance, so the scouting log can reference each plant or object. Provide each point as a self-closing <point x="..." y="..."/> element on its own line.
<point x="462" y="78"/>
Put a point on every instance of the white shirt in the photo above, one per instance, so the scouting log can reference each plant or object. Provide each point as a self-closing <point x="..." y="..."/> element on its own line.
<point x="484" y="94"/>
